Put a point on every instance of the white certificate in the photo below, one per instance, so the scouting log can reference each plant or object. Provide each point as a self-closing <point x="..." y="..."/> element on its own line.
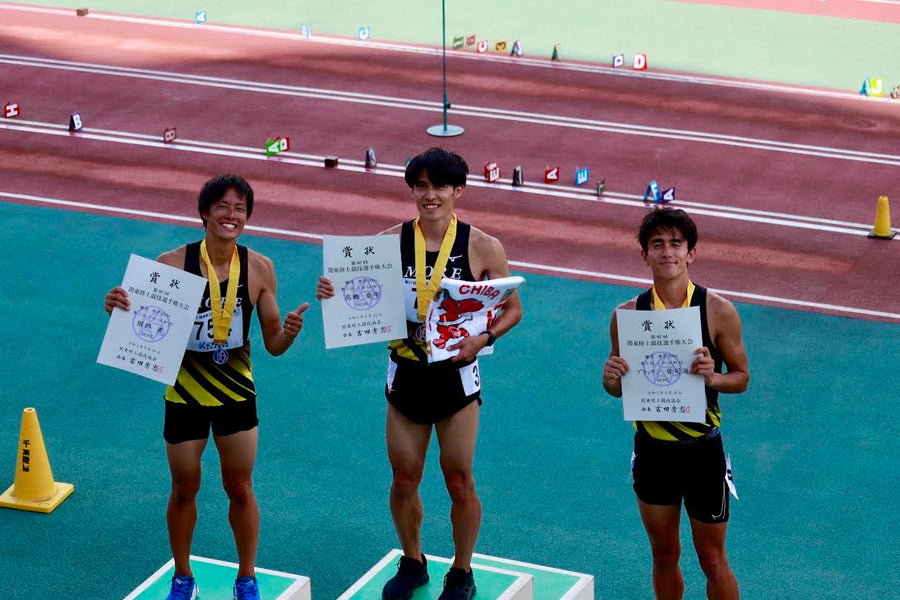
<point x="368" y="303"/>
<point x="659" y="347"/>
<point x="150" y="338"/>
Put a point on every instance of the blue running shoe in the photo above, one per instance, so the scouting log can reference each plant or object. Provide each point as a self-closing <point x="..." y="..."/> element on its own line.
<point x="183" y="588"/>
<point x="246" y="588"/>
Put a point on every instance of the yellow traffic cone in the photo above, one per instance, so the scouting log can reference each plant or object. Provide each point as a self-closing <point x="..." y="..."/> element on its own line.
<point x="882" y="227"/>
<point x="34" y="488"/>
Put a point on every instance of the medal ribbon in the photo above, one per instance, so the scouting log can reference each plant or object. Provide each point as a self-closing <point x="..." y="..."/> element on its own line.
<point x="660" y="305"/>
<point x="424" y="293"/>
<point x="221" y="315"/>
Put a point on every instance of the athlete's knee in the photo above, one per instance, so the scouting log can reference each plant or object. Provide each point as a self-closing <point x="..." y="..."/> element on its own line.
<point x="460" y="485"/>
<point x="666" y="555"/>
<point x="713" y="562"/>
<point x="406" y="482"/>
<point x="238" y="488"/>
<point x="184" y="489"/>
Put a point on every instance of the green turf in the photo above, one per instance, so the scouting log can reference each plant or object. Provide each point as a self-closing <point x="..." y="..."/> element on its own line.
<point x="679" y="36"/>
<point x="812" y="440"/>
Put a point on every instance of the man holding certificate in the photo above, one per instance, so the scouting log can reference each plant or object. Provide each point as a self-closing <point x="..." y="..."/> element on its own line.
<point x="214" y="387"/>
<point x="678" y="459"/>
<point x="443" y="395"/>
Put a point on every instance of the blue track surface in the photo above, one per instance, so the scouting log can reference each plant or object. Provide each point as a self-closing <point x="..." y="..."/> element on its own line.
<point x="815" y="463"/>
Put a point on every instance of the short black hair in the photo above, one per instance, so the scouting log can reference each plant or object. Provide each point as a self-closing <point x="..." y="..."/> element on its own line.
<point x="214" y="190"/>
<point x="668" y="219"/>
<point x="442" y="166"/>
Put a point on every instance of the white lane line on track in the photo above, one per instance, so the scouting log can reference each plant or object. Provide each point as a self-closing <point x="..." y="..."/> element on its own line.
<point x="554" y="270"/>
<point x="355" y="166"/>
<point x="464" y="110"/>
<point x="468" y="55"/>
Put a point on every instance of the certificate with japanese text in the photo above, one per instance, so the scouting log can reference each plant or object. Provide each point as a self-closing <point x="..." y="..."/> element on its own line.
<point x="464" y="308"/>
<point x="150" y="338"/>
<point x="659" y="347"/>
<point x="368" y="303"/>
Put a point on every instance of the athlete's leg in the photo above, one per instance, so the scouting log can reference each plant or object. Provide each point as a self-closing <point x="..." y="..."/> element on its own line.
<point x="709" y="541"/>
<point x="662" y="525"/>
<point x="456" y="435"/>
<point x="407" y="446"/>
<point x="181" y="515"/>
<point x="237" y="453"/>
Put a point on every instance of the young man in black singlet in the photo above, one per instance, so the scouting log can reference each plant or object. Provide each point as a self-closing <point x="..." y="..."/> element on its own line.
<point x="677" y="461"/>
<point x="444" y="396"/>
<point x="214" y="388"/>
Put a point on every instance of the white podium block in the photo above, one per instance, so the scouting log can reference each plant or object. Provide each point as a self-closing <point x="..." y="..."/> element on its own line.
<point x="493" y="582"/>
<point x="549" y="583"/>
<point x="215" y="579"/>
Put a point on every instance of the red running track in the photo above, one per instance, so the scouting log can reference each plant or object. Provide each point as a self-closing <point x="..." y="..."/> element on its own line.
<point x="752" y="257"/>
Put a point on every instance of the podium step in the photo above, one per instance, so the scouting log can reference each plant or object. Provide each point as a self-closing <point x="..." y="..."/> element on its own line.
<point x="549" y="583"/>
<point x="493" y="582"/>
<point x="215" y="579"/>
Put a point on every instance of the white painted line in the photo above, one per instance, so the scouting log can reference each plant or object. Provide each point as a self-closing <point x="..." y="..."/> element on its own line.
<point x="845" y="310"/>
<point x="370" y="574"/>
<point x="465" y="110"/>
<point x="584" y="67"/>
<point x="553" y="270"/>
<point x="355" y="166"/>
<point x="150" y="580"/>
<point x="582" y="588"/>
<point x="299" y="581"/>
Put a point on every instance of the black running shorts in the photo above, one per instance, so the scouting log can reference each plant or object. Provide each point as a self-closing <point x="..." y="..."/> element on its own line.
<point x="667" y="472"/>
<point x="428" y="393"/>
<point x="185" y="422"/>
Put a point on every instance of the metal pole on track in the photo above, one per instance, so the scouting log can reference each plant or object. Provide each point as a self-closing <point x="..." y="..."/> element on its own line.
<point x="445" y="130"/>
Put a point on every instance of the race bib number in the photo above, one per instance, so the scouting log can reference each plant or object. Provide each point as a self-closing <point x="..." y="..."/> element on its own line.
<point x="471" y="378"/>
<point x="201" y="339"/>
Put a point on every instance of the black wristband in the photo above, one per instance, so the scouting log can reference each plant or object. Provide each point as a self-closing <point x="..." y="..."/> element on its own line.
<point x="491" y="338"/>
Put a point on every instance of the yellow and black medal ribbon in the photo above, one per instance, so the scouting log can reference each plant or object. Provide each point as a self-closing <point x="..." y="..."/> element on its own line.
<point x="660" y="305"/>
<point x="426" y="291"/>
<point x="221" y="313"/>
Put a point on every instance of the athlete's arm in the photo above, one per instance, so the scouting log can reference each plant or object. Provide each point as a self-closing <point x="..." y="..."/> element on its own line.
<point x="616" y="367"/>
<point x="725" y="329"/>
<point x="488" y="261"/>
<point x="324" y="287"/>
<point x="277" y="337"/>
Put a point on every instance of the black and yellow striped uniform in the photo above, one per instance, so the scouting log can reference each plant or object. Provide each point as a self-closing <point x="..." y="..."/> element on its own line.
<point x="673" y="431"/>
<point x="202" y="382"/>
<point x="413" y="346"/>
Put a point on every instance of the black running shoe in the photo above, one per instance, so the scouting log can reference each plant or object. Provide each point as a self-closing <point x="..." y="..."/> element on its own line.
<point x="411" y="574"/>
<point x="458" y="585"/>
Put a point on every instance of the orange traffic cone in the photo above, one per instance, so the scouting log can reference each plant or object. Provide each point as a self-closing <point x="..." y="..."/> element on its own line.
<point x="34" y="488"/>
<point x="882" y="228"/>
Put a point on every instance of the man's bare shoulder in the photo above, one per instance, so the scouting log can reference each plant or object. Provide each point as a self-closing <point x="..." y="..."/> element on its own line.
<point x="629" y="305"/>
<point x="259" y="263"/>
<point x="173" y="258"/>
<point x="483" y="244"/>
<point x="719" y="307"/>
<point x="395" y="230"/>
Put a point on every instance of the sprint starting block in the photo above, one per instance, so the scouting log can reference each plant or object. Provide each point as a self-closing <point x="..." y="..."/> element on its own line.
<point x="495" y="578"/>
<point x="215" y="579"/>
